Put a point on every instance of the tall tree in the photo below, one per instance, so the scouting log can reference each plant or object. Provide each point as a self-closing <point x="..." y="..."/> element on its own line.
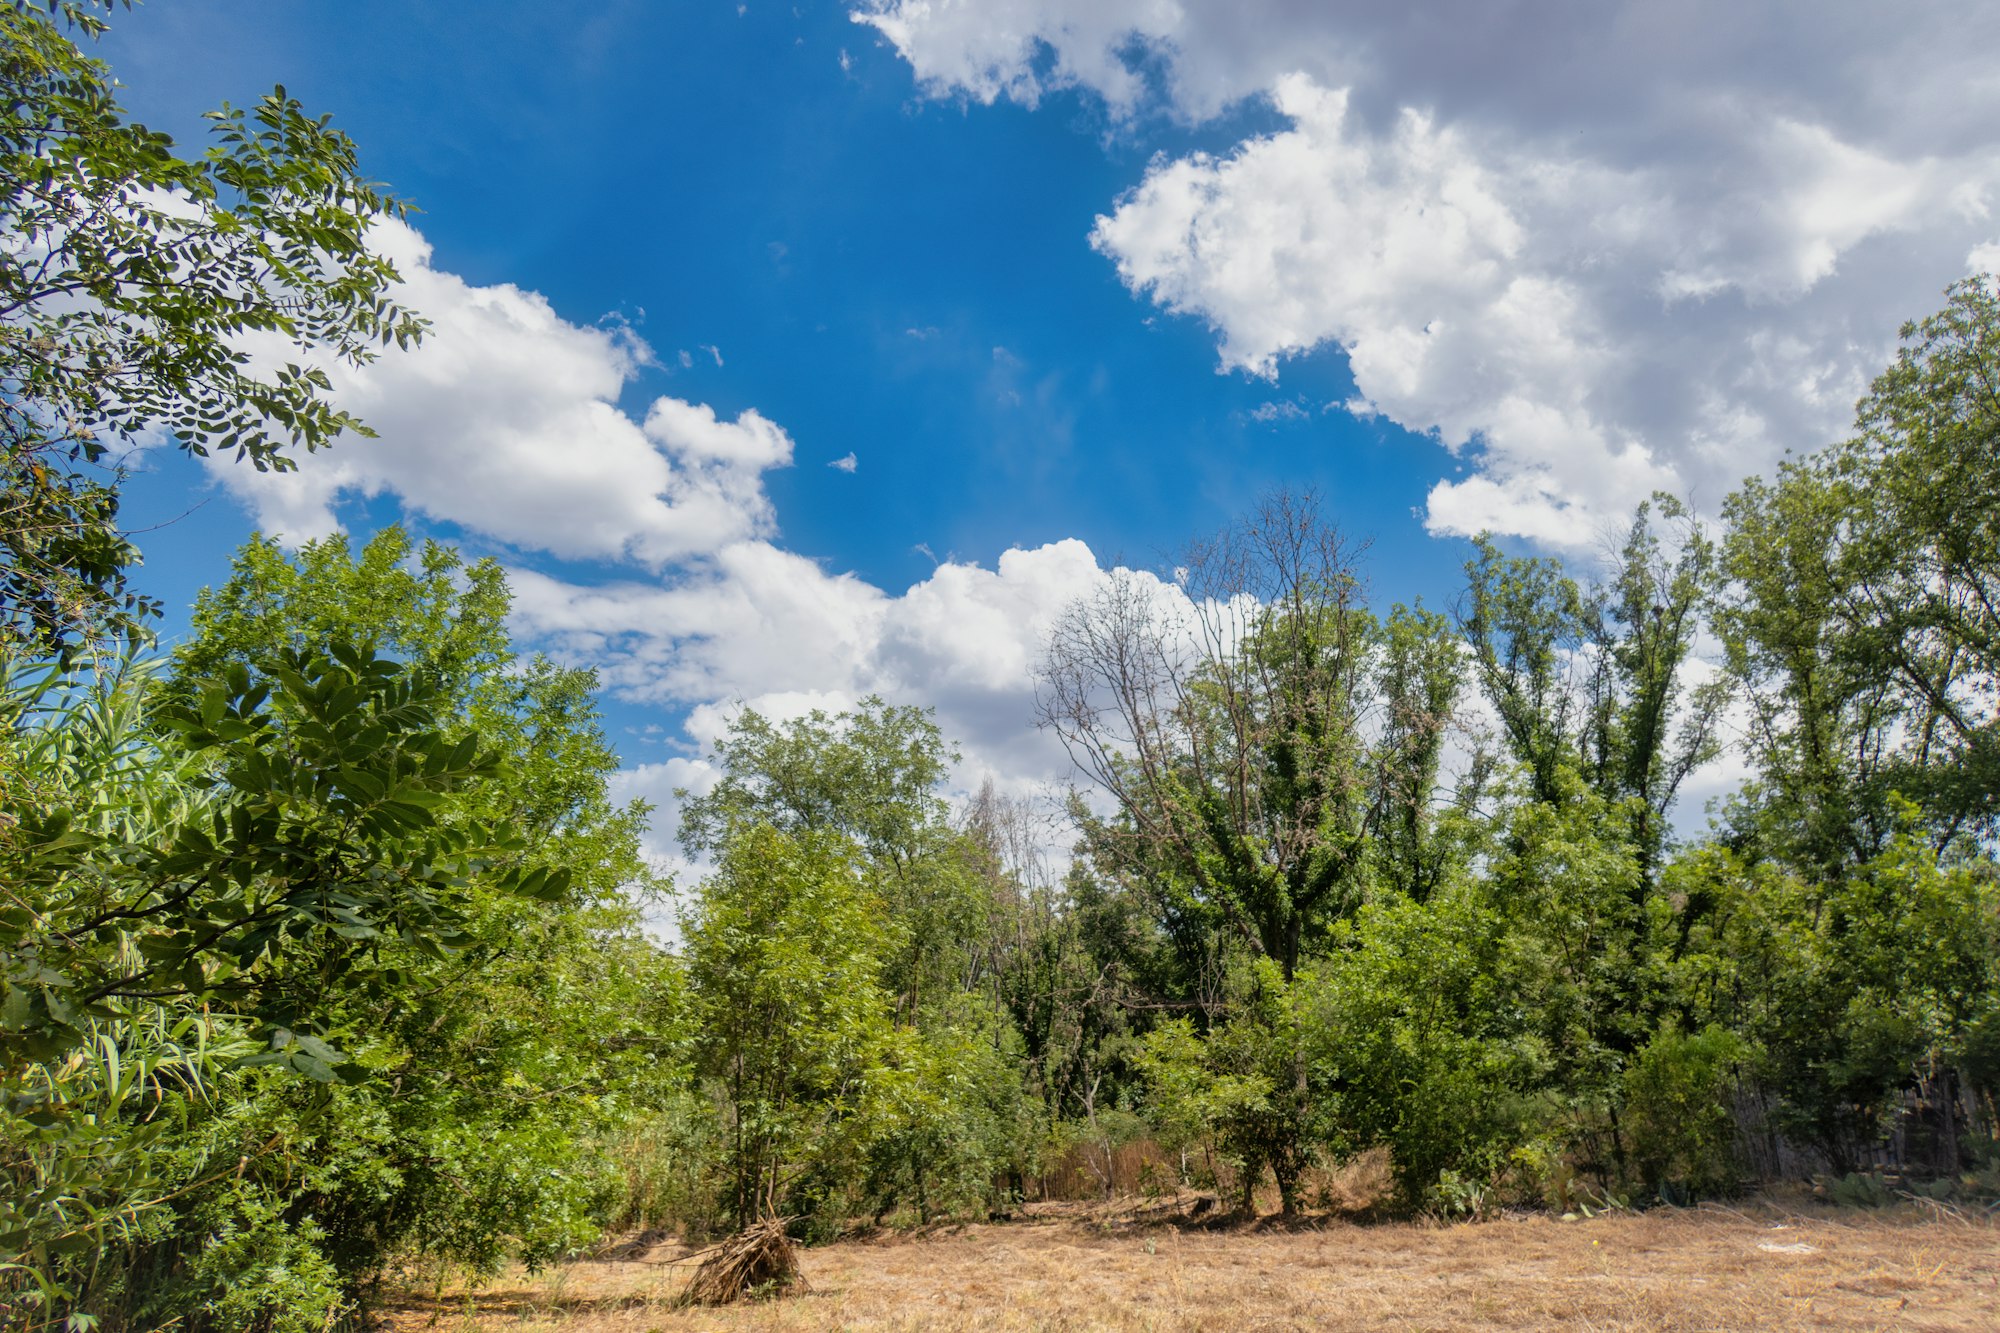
<point x="1598" y="679"/>
<point x="1233" y="722"/>
<point x="784" y="952"/>
<point x="846" y="967"/>
<point x="1866" y="615"/>
<point x="872" y="775"/>
<point x="355" y="826"/>
<point x="1270" y="747"/>
<point x="1823" y="714"/>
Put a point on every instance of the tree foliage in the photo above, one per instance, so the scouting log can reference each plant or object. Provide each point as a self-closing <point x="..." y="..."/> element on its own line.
<point x="148" y="295"/>
<point x="1867" y="616"/>
<point x="1235" y="729"/>
<point x="784" y="958"/>
<point x="1597" y="679"/>
<point x="356" y="923"/>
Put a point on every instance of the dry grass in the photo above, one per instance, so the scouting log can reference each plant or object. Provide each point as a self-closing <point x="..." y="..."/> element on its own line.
<point x="1068" y="1267"/>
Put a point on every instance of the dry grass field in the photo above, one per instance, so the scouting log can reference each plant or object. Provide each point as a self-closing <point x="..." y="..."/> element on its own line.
<point x="1067" y="1267"/>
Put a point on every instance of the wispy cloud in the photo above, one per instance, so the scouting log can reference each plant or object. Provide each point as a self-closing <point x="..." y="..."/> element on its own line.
<point x="1273" y="413"/>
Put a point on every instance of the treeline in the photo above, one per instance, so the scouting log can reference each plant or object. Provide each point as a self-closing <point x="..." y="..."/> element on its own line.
<point x="1348" y="880"/>
<point x="320" y="944"/>
<point x="323" y="948"/>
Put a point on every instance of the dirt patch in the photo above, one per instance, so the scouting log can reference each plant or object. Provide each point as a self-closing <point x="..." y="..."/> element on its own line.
<point x="1135" y="1268"/>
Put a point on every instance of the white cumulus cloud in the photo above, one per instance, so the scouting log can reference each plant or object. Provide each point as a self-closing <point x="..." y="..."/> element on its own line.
<point x="761" y="626"/>
<point x="1600" y="248"/>
<point x="506" y="421"/>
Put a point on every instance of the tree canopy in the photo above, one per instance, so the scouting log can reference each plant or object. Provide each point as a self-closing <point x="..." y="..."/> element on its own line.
<point x="150" y="296"/>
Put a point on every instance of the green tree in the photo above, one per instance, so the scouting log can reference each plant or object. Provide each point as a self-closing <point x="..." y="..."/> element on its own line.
<point x="784" y="952"/>
<point x="331" y="842"/>
<point x="1056" y="963"/>
<point x="1417" y="1036"/>
<point x="514" y="1053"/>
<point x="135" y="286"/>
<point x="1598" y="679"/>
<point x="257" y="858"/>
<point x="1822" y="715"/>
<point x="871" y="775"/>
<point x="1231" y="727"/>
<point x="1601" y="707"/>
<point x="1567" y="890"/>
<point x="946" y="1111"/>
<point x="1854" y="895"/>
<point x="1272" y="751"/>
<point x="446" y="618"/>
<point x="941" y="1111"/>
<point x="322" y="776"/>
<point x="1866" y="616"/>
<point x="1922" y="556"/>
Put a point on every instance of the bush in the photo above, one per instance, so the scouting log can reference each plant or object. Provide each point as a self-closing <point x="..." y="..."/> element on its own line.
<point x="252" y="1271"/>
<point x="943" y="1107"/>
<point x="1680" y="1130"/>
<point x="1415" y="1045"/>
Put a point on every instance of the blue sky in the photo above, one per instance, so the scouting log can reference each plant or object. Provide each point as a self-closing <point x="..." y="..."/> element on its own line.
<point x="1071" y="279"/>
<point x="906" y="280"/>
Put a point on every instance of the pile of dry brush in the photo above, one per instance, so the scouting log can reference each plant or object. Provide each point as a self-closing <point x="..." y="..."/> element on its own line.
<point x="760" y="1258"/>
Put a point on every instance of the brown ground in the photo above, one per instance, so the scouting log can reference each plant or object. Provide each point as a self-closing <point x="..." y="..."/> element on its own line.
<point x="1070" y="1267"/>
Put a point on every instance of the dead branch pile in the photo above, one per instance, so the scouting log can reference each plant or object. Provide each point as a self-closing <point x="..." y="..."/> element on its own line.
<point x="760" y="1258"/>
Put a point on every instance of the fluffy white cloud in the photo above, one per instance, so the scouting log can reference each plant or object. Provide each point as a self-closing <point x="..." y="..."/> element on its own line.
<point x="506" y="421"/>
<point x="1600" y="248"/>
<point x="758" y="626"/>
<point x="1614" y="71"/>
<point x="996" y="48"/>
